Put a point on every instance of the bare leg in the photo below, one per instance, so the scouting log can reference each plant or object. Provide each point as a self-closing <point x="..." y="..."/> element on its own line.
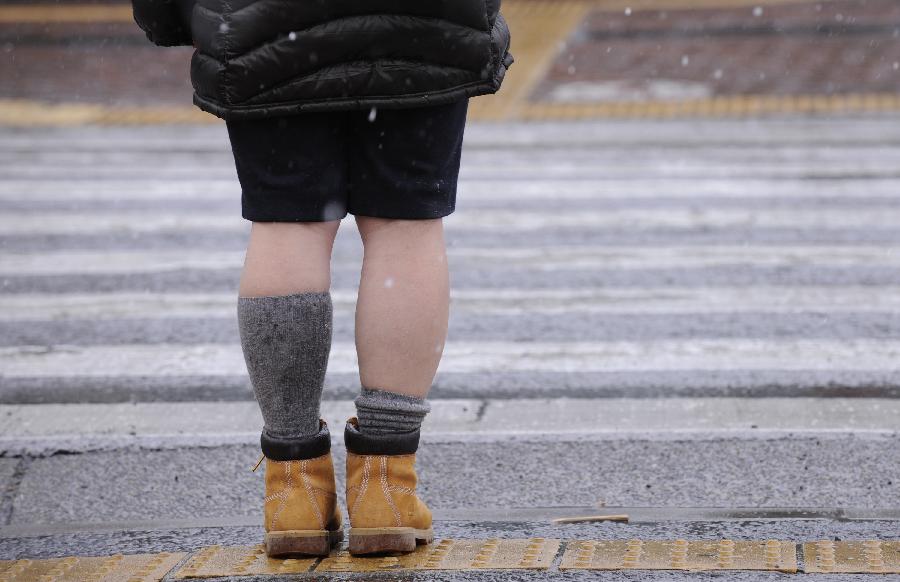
<point x="404" y="304"/>
<point x="288" y="257"/>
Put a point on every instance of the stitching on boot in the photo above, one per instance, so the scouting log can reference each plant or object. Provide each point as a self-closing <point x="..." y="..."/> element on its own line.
<point x="401" y="489"/>
<point x="363" y="486"/>
<point x="274" y="496"/>
<point x="304" y="476"/>
<point x="286" y="492"/>
<point x="387" y="493"/>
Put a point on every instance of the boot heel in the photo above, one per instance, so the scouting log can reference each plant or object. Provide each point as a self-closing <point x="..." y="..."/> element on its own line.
<point x="379" y="540"/>
<point x="307" y="543"/>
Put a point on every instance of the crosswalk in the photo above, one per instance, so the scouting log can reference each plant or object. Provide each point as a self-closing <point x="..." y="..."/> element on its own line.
<point x="616" y="288"/>
<point x="534" y="194"/>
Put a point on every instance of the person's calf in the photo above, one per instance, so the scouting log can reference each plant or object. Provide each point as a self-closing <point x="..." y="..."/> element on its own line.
<point x="286" y="341"/>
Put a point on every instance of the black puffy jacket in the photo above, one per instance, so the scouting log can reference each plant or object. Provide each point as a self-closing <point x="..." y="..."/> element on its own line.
<point x="255" y="58"/>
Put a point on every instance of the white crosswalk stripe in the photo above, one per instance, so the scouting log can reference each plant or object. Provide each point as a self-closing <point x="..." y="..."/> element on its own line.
<point x="64" y="361"/>
<point x="533" y="258"/>
<point x="669" y="300"/>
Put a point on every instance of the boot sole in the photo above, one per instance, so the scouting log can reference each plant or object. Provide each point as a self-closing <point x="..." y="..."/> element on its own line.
<point x="313" y="542"/>
<point x="380" y="540"/>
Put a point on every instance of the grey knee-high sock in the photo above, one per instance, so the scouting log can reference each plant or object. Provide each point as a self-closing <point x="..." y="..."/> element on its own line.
<point x="379" y="411"/>
<point x="286" y="340"/>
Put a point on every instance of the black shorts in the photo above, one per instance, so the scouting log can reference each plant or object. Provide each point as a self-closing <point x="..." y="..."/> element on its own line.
<point x="389" y="163"/>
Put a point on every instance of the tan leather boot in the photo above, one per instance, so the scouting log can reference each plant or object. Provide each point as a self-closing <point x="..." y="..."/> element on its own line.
<point x="386" y="515"/>
<point x="301" y="511"/>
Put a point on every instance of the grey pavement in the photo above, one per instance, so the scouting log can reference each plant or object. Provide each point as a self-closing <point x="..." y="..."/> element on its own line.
<point x="693" y="320"/>
<point x="531" y="471"/>
<point x="8" y="486"/>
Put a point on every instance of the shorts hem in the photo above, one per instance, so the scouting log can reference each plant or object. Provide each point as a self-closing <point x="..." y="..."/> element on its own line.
<point x="404" y="215"/>
<point x="269" y="218"/>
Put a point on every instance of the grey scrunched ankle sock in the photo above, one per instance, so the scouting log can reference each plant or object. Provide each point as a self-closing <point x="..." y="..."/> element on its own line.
<point x="286" y="340"/>
<point x="379" y="411"/>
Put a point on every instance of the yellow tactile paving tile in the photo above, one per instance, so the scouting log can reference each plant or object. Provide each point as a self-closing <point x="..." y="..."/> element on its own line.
<point x="695" y="555"/>
<point x="852" y="557"/>
<point x="217" y="561"/>
<point x="491" y="554"/>
<point x="863" y="556"/>
<point x="116" y="568"/>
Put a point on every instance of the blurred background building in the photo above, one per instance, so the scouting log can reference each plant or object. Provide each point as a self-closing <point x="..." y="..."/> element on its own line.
<point x="583" y="58"/>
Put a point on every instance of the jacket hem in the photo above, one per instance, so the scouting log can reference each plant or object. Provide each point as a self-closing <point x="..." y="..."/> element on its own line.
<point x="230" y="112"/>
